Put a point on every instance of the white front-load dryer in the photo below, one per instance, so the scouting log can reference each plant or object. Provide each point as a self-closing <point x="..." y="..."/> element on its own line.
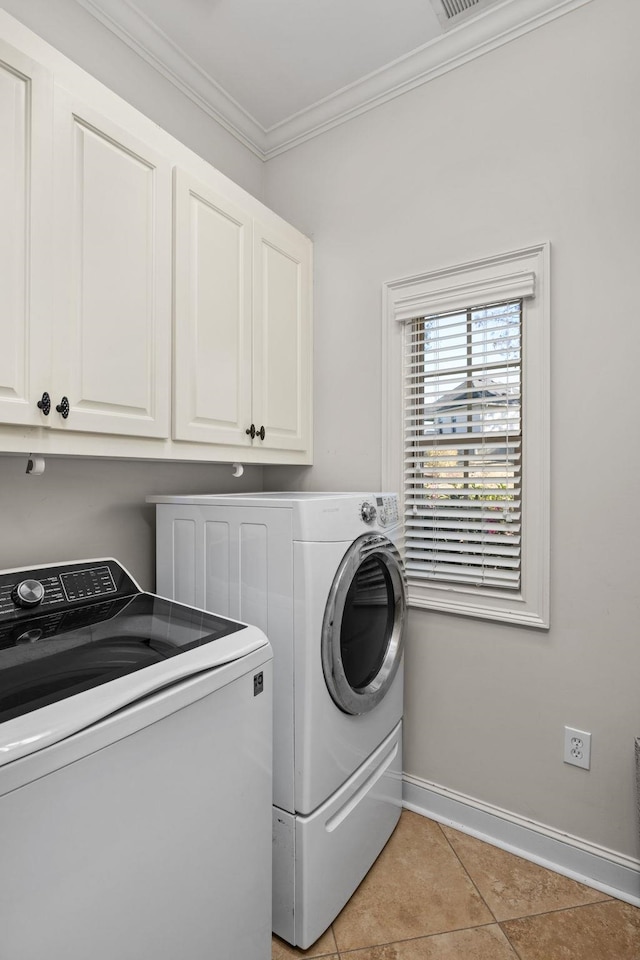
<point x="322" y="576"/>
<point x="349" y="615"/>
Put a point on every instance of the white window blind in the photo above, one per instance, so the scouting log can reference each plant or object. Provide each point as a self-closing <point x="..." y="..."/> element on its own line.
<point x="463" y="446"/>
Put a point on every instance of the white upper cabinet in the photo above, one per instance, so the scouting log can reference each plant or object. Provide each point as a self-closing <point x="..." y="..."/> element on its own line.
<point x="212" y="325"/>
<point x="25" y="200"/>
<point x="112" y="220"/>
<point x="281" y="337"/>
<point x="242" y="326"/>
<point x="149" y="307"/>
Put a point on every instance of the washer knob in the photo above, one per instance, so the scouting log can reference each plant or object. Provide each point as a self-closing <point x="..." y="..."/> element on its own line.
<point x="368" y="512"/>
<point x="28" y="593"/>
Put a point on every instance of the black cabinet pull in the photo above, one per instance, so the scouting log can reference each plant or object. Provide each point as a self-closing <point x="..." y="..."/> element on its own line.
<point x="261" y="433"/>
<point x="44" y="404"/>
<point x="251" y="431"/>
<point x="63" y="408"/>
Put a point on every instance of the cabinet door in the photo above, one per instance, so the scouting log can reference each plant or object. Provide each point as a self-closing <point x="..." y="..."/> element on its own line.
<point x="112" y="221"/>
<point x="282" y="369"/>
<point x="212" y="316"/>
<point x="25" y="192"/>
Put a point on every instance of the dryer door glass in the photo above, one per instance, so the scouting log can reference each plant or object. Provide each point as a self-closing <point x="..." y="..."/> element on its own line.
<point x="367" y="623"/>
<point x="362" y="631"/>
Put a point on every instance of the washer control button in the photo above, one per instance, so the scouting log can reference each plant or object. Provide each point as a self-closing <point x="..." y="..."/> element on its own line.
<point x="368" y="512"/>
<point x="28" y="593"/>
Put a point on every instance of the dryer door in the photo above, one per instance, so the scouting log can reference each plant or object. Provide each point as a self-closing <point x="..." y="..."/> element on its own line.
<point x="362" y="631"/>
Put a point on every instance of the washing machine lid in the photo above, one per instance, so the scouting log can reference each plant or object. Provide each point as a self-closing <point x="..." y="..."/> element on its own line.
<point x="89" y="642"/>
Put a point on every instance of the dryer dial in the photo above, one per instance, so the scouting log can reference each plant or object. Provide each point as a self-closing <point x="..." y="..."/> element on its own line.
<point x="368" y="512"/>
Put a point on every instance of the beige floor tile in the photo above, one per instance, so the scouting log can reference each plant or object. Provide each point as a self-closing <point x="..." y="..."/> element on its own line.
<point x="513" y="887"/>
<point x="481" y="943"/>
<point x="415" y="888"/>
<point x="324" y="947"/>
<point x="599" y="931"/>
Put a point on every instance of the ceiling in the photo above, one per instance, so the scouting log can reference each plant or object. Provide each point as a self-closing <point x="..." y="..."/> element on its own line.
<point x="276" y="72"/>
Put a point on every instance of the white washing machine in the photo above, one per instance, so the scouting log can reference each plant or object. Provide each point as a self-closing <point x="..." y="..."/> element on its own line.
<point x="135" y="773"/>
<point x="321" y="575"/>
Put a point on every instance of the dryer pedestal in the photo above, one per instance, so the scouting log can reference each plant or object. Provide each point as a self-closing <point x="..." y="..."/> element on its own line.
<point x="320" y="859"/>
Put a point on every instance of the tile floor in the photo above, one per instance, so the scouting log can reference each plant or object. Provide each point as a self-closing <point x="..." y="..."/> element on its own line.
<point x="437" y="894"/>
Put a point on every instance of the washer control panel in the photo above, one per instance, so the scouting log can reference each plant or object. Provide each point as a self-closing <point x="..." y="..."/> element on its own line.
<point x="51" y="588"/>
<point x="87" y="583"/>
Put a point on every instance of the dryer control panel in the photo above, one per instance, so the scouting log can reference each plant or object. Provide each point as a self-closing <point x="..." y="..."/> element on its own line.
<point x="388" y="512"/>
<point x="381" y="508"/>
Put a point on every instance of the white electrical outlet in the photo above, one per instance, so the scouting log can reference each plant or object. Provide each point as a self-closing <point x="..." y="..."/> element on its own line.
<point x="577" y="747"/>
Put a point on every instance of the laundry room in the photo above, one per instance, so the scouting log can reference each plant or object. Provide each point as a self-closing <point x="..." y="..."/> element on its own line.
<point x="300" y="303"/>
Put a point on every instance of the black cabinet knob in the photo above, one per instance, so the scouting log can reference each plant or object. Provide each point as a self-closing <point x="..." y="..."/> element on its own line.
<point x="251" y="430"/>
<point x="63" y="408"/>
<point x="261" y="433"/>
<point x="44" y="404"/>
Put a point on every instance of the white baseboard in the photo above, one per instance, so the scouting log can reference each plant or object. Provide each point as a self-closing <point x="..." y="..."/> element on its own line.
<point x="610" y="872"/>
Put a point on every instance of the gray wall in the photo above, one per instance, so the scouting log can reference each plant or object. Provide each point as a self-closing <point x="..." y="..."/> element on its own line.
<point x="538" y="140"/>
<point x="80" y="509"/>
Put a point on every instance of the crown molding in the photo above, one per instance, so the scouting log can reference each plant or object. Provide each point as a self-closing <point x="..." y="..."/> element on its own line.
<point x="157" y="49"/>
<point x="491" y="28"/>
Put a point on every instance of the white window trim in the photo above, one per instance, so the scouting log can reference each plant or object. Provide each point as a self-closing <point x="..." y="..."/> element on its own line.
<point x="521" y="273"/>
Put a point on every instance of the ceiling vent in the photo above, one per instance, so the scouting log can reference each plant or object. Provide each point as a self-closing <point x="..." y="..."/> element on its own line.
<point x="452" y="12"/>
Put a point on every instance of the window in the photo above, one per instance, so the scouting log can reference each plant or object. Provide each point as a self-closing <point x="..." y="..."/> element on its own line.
<point x="462" y="446"/>
<point x="467" y="434"/>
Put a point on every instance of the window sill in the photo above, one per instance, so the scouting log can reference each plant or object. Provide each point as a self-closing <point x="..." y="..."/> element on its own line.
<point x="466" y="606"/>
